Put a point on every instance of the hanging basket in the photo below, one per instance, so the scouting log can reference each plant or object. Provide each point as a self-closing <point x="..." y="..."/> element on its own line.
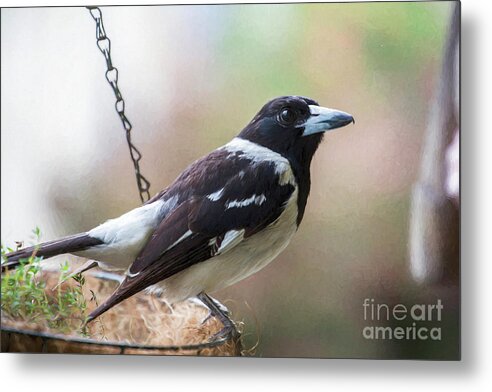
<point x="141" y="325"/>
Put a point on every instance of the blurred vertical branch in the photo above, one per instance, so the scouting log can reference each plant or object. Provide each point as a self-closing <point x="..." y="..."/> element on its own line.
<point x="434" y="220"/>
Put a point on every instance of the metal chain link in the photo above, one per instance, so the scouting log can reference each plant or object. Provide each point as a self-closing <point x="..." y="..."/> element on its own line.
<point x="104" y="45"/>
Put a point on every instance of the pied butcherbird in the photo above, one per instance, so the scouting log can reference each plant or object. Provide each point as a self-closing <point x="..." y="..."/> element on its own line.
<point x="224" y="218"/>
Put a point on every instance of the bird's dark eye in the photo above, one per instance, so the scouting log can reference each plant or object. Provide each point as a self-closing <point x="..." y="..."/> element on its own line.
<point x="287" y="116"/>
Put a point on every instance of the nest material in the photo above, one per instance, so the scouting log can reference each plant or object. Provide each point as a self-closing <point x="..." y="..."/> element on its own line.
<point x="142" y="324"/>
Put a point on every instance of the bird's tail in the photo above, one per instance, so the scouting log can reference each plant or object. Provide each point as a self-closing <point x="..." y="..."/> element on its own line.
<point x="70" y="244"/>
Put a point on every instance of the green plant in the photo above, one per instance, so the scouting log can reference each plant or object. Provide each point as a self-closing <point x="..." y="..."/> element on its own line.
<point x="26" y="297"/>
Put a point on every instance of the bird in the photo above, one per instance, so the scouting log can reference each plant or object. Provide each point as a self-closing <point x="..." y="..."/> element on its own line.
<point x="225" y="217"/>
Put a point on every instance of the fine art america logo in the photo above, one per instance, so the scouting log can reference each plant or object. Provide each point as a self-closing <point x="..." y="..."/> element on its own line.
<point x="416" y="322"/>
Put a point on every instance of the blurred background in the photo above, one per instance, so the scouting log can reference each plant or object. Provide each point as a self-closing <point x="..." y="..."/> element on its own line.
<point x="192" y="77"/>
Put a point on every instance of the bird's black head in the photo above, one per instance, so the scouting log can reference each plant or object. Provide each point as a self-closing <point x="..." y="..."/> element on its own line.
<point x="293" y="126"/>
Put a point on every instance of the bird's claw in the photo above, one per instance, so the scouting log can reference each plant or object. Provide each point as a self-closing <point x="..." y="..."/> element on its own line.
<point x="228" y="332"/>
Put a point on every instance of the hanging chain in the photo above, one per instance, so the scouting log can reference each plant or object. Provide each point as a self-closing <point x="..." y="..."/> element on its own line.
<point x="104" y="45"/>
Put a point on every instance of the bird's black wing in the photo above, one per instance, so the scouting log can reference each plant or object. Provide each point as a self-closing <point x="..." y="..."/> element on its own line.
<point x="205" y="225"/>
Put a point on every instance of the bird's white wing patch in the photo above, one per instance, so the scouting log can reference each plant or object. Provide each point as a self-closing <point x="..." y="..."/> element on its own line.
<point x="180" y="239"/>
<point x="231" y="239"/>
<point x="255" y="199"/>
<point x="216" y="195"/>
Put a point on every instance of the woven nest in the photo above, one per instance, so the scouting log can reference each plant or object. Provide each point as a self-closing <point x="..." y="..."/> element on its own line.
<point x="142" y="324"/>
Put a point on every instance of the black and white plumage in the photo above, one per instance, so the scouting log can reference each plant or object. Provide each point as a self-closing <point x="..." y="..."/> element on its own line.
<point x="225" y="217"/>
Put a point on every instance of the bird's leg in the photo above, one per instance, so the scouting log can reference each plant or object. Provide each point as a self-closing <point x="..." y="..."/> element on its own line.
<point x="200" y="303"/>
<point x="216" y="310"/>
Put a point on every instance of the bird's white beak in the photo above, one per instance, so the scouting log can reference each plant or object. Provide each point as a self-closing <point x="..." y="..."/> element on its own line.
<point x="323" y="119"/>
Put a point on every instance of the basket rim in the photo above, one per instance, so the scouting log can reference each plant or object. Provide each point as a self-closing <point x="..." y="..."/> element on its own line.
<point x="122" y="345"/>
